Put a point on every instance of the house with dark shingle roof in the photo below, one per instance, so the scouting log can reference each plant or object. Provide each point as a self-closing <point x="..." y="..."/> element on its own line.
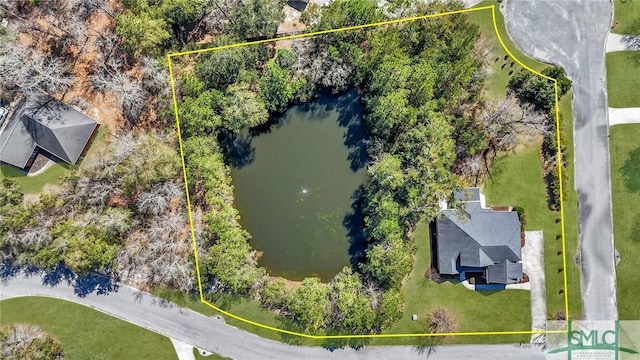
<point x="41" y="122"/>
<point x="475" y="238"/>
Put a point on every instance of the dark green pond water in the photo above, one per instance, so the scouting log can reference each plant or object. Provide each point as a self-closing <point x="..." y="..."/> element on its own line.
<point x="295" y="188"/>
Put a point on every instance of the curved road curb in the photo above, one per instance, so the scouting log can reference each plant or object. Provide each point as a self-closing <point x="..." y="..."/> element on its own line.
<point x="188" y="326"/>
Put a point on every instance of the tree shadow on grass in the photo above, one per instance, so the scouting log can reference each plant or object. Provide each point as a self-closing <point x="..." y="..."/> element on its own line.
<point x="287" y="324"/>
<point x="223" y="301"/>
<point x="631" y="171"/>
<point x="635" y="235"/>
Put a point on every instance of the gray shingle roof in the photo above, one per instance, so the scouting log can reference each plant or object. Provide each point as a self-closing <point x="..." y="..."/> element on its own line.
<point x="477" y="237"/>
<point x="41" y="121"/>
<point x="505" y="272"/>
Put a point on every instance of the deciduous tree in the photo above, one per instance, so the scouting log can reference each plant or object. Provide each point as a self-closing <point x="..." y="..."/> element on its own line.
<point x="243" y="109"/>
<point x="255" y="18"/>
<point x="353" y="309"/>
<point x="388" y="262"/>
<point x="310" y="305"/>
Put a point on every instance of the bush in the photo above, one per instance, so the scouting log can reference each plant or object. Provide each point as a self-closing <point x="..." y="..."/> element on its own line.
<point x="432" y="274"/>
<point x="286" y="58"/>
<point x="558" y="73"/>
<point x="275" y="294"/>
<point x="22" y="341"/>
<point x="553" y="185"/>
<point x="533" y="89"/>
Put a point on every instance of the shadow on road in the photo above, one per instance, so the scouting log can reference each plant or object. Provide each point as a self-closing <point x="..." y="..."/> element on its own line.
<point x="99" y="284"/>
<point x="354" y="343"/>
<point x="56" y="275"/>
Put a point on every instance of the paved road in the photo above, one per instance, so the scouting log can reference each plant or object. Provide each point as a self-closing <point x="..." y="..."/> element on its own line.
<point x="212" y="335"/>
<point x="572" y="33"/>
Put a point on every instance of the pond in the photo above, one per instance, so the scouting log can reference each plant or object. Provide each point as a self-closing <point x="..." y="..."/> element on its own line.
<point x="296" y="184"/>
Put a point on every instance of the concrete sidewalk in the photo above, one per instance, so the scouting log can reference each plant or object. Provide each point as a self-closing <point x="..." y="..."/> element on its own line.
<point x="572" y="34"/>
<point x="617" y="42"/>
<point x="624" y="115"/>
<point x="533" y="266"/>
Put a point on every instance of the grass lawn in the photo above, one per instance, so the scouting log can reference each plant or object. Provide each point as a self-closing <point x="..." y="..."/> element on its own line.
<point x="498" y="77"/>
<point x="248" y="309"/>
<point x="505" y="310"/>
<point x="472" y="310"/>
<point x="197" y="355"/>
<point x="625" y="188"/>
<point x="85" y="333"/>
<point x="51" y="176"/>
<point x="35" y="184"/>
<point x="517" y="180"/>
<point x="623" y="79"/>
<point x="626" y="17"/>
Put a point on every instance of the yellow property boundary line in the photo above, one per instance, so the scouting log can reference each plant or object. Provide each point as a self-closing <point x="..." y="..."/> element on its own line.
<point x="389" y="22"/>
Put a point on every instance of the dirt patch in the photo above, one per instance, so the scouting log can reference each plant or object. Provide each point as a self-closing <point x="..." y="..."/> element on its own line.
<point x="291" y="284"/>
<point x="39" y="33"/>
<point x="30" y="199"/>
<point x="102" y="108"/>
<point x="290" y="25"/>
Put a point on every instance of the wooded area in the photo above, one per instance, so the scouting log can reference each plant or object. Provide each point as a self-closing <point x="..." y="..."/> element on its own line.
<point x="123" y="212"/>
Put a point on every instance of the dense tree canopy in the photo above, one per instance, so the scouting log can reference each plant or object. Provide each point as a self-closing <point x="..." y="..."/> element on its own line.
<point x="537" y="90"/>
<point x="414" y="78"/>
<point x="310" y="304"/>
<point x="111" y="216"/>
<point x="353" y="310"/>
<point x="256" y="18"/>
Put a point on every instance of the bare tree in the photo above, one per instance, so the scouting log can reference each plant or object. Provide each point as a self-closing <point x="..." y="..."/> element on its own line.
<point x="26" y="70"/>
<point x="22" y="341"/>
<point x="94" y="193"/>
<point x="505" y="120"/>
<point x="432" y="274"/>
<point x="156" y="77"/>
<point x="156" y="200"/>
<point x="158" y="254"/>
<point x="483" y="50"/>
<point x="128" y="90"/>
<point x="440" y="321"/>
<point x="473" y="167"/>
<point x="317" y="66"/>
<point x="83" y="9"/>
